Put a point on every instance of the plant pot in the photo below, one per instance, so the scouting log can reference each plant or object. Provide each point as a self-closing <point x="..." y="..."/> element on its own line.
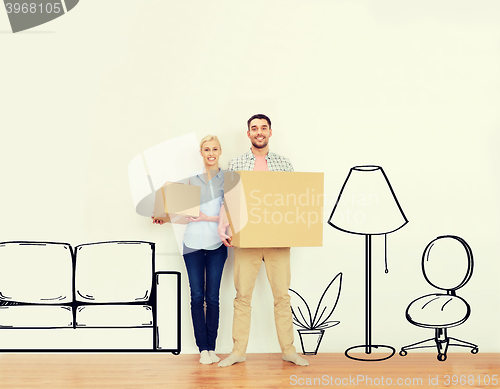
<point x="310" y="341"/>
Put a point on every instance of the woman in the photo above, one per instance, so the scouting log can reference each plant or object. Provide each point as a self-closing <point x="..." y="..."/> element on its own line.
<point x="204" y="254"/>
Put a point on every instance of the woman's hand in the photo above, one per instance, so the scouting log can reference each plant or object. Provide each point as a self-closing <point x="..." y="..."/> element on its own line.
<point x="201" y="218"/>
<point x="157" y="221"/>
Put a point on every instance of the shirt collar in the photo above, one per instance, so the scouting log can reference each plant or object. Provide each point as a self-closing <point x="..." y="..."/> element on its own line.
<point x="220" y="174"/>
<point x="200" y="173"/>
<point x="251" y="156"/>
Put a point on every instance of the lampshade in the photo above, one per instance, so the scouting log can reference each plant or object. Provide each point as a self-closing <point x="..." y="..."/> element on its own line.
<point x="367" y="204"/>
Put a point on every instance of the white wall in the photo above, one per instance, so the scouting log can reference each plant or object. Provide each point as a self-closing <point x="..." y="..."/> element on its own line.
<point x="411" y="86"/>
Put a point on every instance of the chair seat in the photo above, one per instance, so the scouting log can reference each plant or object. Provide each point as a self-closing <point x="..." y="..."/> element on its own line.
<point x="438" y="311"/>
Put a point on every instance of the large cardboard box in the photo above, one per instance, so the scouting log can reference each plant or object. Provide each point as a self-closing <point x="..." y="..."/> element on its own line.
<point x="275" y="209"/>
<point x="174" y="202"/>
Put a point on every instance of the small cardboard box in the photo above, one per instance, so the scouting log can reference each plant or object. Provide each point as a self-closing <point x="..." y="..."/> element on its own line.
<point x="174" y="202"/>
<point x="275" y="209"/>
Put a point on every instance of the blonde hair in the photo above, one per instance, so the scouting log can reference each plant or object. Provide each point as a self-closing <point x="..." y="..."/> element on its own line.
<point x="209" y="138"/>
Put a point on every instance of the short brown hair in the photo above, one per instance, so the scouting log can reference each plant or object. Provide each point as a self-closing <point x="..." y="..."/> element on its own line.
<point x="259" y="116"/>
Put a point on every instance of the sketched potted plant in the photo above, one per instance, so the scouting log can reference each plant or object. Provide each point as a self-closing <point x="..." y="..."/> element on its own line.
<point x="312" y="328"/>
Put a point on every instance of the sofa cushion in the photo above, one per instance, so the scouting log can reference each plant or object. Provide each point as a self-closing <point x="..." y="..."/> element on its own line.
<point x="114" y="272"/>
<point x="114" y="315"/>
<point x="38" y="272"/>
<point x="36" y="316"/>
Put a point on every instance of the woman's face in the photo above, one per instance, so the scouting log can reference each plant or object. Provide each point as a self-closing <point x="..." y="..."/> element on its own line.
<point x="211" y="152"/>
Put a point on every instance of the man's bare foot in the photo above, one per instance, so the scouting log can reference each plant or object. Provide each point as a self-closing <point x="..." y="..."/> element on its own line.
<point x="231" y="360"/>
<point x="295" y="358"/>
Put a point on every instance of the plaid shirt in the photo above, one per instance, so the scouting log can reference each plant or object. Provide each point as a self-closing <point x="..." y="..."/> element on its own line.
<point x="275" y="162"/>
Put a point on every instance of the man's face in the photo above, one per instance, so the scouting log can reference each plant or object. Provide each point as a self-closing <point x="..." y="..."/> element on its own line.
<point x="259" y="133"/>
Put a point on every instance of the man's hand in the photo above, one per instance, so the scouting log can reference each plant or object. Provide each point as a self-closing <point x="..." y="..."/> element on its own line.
<point x="222" y="228"/>
<point x="226" y="239"/>
<point x="157" y="221"/>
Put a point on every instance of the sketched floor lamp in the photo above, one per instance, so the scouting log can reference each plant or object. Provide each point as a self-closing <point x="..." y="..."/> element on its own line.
<point x="368" y="206"/>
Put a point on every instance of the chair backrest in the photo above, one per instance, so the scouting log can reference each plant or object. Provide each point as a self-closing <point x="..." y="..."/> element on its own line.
<point x="447" y="263"/>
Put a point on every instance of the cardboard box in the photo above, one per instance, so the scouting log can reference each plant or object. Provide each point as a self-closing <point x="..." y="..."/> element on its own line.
<point x="174" y="202"/>
<point x="275" y="209"/>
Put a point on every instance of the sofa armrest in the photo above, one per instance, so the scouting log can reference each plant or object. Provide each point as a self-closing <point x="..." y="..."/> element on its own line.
<point x="167" y="336"/>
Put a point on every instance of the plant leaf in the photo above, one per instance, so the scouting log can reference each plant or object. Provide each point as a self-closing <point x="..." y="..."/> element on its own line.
<point x="298" y="324"/>
<point x="300" y="311"/>
<point x="327" y="324"/>
<point x="328" y="302"/>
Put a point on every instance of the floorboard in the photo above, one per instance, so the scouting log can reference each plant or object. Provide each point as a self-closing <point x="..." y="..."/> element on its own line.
<point x="56" y="371"/>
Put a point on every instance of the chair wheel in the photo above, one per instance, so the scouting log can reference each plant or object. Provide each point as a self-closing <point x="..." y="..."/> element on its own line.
<point x="403" y="353"/>
<point x="441" y="357"/>
<point x="475" y="350"/>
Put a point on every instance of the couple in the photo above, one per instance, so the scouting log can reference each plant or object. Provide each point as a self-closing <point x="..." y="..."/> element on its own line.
<point x="205" y="252"/>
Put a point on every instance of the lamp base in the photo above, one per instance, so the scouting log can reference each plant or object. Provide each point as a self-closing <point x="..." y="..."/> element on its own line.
<point x="358" y="353"/>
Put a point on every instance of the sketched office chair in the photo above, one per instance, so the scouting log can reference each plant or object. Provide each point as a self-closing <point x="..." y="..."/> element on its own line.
<point x="447" y="265"/>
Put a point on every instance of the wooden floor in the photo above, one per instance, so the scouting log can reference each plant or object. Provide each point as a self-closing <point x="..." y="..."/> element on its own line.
<point x="259" y="371"/>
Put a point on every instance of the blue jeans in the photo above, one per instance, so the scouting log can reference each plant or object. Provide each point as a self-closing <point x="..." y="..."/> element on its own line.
<point x="204" y="268"/>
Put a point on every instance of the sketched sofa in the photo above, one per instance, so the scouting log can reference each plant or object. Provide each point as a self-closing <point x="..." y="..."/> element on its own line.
<point x="102" y="296"/>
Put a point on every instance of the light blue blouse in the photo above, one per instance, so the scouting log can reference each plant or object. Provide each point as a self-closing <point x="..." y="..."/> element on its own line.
<point x="203" y="235"/>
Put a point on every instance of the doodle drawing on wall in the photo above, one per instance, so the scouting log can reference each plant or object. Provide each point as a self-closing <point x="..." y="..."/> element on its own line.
<point x="94" y="297"/>
<point x="312" y="328"/>
<point x="367" y="192"/>
<point x="447" y="264"/>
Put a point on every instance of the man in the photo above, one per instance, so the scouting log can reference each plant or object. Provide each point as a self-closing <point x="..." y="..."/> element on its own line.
<point x="248" y="261"/>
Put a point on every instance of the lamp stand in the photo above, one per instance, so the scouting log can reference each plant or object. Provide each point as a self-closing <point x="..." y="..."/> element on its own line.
<point x="355" y="351"/>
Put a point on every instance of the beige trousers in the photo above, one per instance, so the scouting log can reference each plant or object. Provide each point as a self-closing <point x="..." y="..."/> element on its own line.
<point x="246" y="267"/>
